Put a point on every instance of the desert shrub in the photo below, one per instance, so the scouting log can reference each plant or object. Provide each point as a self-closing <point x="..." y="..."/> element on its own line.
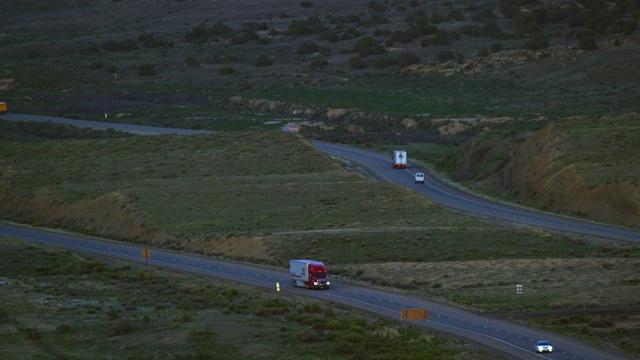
<point x="110" y="45"/>
<point x="455" y="15"/>
<point x="482" y="53"/>
<point x="484" y="14"/>
<point x="263" y="41"/>
<point x="525" y="20"/>
<point x="384" y="61"/>
<point x="350" y="33"/>
<point x="311" y="25"/>
<point x="113" y="314"/>
<point x="376" y="7"/>
<point x="329" y="36"/>
<point x="264" y="60"/>
<point x="146" y="70"/>
<point x="445" y="55"/>
<point x="600" y="322"/>
<point x="460" y="58"/>
<point x="318" y="64"/>
<point x="357" y="63"/>
<point x="587" y="43"/>
<point x="95" y="65"/>
<point x="123" y="327"/>
<point x="437" y="18"/>
<point x="556" y="14"/>
<point x="403" y="37"/>
<point x="468" y="29"/>
<point x="112" y="69"/>
<point x="33" y="334"/>
<point x="491" y="29"/>
<point x="538" y="42"/>
<point x="127" y="45"/>
<point x="192" y="61"/>
<point x="197" y="35"/>
<point x="495" y="47"/>
<point x="222" y="30"/>
<point x="283" y="15"/>
<point x="368" y="46"/>
<point x="349" y="19"/>
<point x="441" y="38"/>
<point x="120" y="46"/>
<point x="63" y="329"/>
<point x="414" y="3"/>
<point x="407" y="58"/>
<point x="306" y="4"/>
<point x="312" y="308"/>
<point x="325" y="51"/>
<point x="244" y="38"/>
<point x="230" y="59"/>
<point x="252" y="26"/>
<point x="307" y="47"/>
<point x="427" y="29"/>
<point x="308" y="336"/>
<point x="150" y="41"/>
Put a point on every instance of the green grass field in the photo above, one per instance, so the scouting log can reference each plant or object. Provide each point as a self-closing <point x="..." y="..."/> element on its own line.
<point x="253" y="187"/>
<point x="77" y="307"/>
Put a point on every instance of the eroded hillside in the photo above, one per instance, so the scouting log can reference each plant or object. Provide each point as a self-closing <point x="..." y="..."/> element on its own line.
<point x="587" y="167"/>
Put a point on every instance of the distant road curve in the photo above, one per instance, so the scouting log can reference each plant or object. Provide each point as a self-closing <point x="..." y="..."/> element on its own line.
<point x="379" y="165"/>
<point x="99" y="125"/>
<point x="502" y="336"/>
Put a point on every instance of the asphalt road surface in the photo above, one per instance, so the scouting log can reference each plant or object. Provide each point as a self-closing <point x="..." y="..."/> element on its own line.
<point x="501" y="336"/>
<point x="380" y="166"/>
<point x="504" y="337"/>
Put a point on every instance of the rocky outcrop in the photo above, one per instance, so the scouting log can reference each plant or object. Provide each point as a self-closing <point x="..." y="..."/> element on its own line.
<point x="311" y="112"/>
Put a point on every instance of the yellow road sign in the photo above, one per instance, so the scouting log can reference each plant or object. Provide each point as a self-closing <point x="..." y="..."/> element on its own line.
<point x="414" y="314"/>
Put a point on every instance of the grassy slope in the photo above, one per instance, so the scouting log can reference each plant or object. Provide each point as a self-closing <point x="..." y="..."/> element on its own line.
<point x="50" y="62"/>
<point x="82" y="307"/>
<point x="310" y="207"/>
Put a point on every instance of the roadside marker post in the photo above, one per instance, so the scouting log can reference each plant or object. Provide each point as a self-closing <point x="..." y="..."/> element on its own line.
<point x="413" y="314"/>
<point x="146" y="254"/>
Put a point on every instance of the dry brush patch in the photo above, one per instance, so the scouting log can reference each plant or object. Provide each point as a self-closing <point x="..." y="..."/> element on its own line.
<point x="547" y="283"/>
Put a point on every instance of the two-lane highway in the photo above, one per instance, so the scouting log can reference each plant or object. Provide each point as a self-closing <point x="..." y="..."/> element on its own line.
<point x="504" y="337"/>
<point x="379" y="166"/>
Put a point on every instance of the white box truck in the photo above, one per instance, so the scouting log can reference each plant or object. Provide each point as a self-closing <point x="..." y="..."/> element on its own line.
<point x="308" y="273"/>
<point x="399" y="159"/>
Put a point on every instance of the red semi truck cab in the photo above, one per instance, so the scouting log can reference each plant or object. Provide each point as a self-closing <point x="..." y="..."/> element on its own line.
<point x="308" y="273"/>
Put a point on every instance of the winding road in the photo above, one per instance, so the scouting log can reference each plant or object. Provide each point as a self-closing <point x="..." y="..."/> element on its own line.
<point x="504" y="337"/>
<point x="379" y="166"/>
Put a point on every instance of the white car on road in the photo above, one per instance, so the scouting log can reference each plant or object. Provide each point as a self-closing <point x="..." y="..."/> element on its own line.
<point x="419" y="178"/>
<point x="543" y="346"/>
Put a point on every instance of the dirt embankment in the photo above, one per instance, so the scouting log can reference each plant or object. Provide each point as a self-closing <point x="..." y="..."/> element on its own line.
<point x="115" y="216"/>
<point x="311" y="112"/>
<point x="535" y="175"/>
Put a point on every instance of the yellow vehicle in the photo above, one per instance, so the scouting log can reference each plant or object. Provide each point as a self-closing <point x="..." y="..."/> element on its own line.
<point x="3" y="107"/>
